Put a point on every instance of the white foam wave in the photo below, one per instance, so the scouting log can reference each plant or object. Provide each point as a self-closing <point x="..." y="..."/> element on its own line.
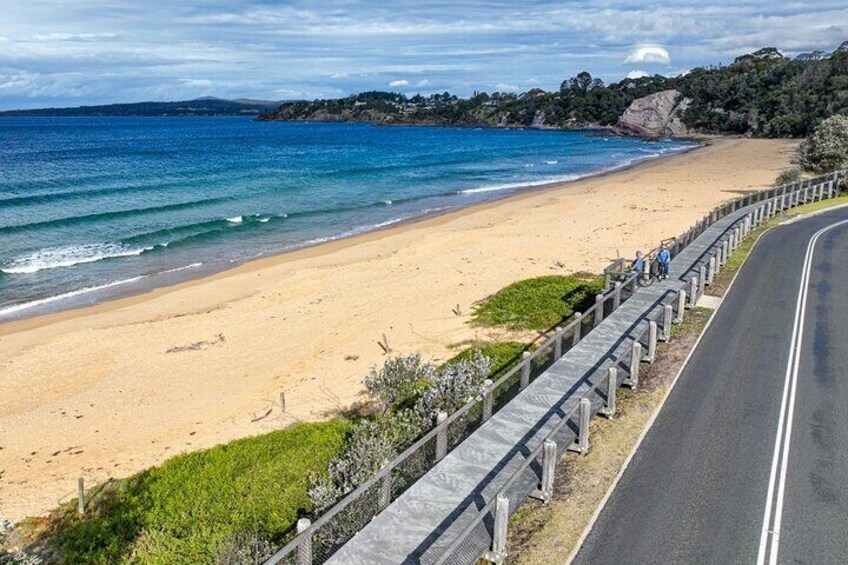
<point x="554" y="162"/>
<point x="573" y="177"/>
<point x="68" y="256"/>
<point x="387" y="202"/>
<point x="32" y="304"/>
<point x="236" y="219"/>
<point x="178" y="269"/>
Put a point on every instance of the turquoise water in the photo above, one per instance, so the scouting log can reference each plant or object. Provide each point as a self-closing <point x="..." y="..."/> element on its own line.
<point x="92" y="208"/>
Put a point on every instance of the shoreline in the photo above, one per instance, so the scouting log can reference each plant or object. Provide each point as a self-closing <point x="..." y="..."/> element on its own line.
<point x="153" y="287"/>
<point x="112" y="389"/>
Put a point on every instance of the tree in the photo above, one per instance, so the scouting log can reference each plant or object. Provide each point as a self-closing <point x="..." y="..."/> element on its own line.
<point x="826" y="150"/>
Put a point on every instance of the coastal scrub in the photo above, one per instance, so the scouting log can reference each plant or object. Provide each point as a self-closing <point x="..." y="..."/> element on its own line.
<point x="191" y="507"/>
<point x="539" y="303"/>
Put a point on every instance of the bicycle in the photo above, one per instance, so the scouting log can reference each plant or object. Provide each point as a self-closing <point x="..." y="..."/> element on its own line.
<point x="655" y="274"/>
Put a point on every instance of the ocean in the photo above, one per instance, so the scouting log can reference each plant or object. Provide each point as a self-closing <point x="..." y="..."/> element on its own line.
<point x="96" y="208"/>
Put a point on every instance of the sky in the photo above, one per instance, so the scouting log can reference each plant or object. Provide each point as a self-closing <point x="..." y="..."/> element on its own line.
<point x="77" y="52"/>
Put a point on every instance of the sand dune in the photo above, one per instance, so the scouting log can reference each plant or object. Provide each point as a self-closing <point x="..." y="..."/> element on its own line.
<point x="108" y="390"/>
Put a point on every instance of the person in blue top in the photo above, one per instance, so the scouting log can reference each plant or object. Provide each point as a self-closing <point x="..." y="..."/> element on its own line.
<point x="638" y="266"/>
<point x="664" y="259"/>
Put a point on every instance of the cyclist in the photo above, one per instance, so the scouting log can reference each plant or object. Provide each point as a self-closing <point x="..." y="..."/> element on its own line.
<point x="664" y="259"/>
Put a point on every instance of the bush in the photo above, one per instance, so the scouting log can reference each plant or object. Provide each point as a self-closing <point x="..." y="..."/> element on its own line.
<point x="198" y="506"/>
<point x="373" y="443"/>
<point x="504" y="356"/>
<point x="826" y="150"/>
<point x="367" y="448"/>
<point x="539" y="303"/>
<point x="791" y="174"/>
<point x="399" y="381"/>
<point x="456" y="384"/>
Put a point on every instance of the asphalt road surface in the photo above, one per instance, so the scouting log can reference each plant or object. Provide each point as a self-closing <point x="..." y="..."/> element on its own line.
<point x="747" y="462"/>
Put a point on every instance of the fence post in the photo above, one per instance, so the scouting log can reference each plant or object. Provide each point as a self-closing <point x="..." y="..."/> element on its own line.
<point x="578" y="328"/>
<point x="711" y="269"/>
<point x="607" y="280"/>
<point x="725" y="251"/>
<point x="693" y="291"/>
<point x="681" y="305"/>
<point x="702" y="278"/>
<point x="80" y="496"/>
<point x="558" y="344"/>
<point x="498" y="552"/>
<point x="441" y="436"/>
<point x="718" y="261"/>
<point x="525" y="371"/>
<point x="549" y="461"/>
<point x="385" y="496"/>
<point x="608" y="409"/>
<point x="488" y="400"/>
<point x="581" y="444"/>
<point x="652" y="342"/>
<point x="635" y="358"/>
<point x="599" y="309"/>
<point x="730" y="237"/>
<point x="304" y="547"/>
<point x="616" y="298"/>
<point x="668" y="315"/>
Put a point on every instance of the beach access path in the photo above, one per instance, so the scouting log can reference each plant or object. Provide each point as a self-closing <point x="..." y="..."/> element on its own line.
<point x="112" y="389"/>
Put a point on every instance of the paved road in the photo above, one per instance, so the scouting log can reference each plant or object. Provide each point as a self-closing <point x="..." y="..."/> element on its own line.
<point x="713" y="481"/>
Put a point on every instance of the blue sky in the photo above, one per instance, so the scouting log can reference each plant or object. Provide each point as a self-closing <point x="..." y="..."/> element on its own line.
<point x="72" y="52"/>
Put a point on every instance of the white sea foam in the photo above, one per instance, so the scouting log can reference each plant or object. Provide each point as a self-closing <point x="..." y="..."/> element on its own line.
<point x="554" y="162"/>
<point x="32" y="304"/>
<point x="177" y="269"/>
<point x="387" y="202"/>
<point x="571" y="177"/>
<point x="236" y="219"/>
<point x="67" y="256"/>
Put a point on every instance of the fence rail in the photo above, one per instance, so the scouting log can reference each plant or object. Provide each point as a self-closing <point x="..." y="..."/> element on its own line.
<point x="316" y="542"/>
<point x="538" y="467"/>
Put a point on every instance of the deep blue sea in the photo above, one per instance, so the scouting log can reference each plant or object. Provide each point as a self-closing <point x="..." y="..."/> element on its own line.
<point x="92" y="208"/>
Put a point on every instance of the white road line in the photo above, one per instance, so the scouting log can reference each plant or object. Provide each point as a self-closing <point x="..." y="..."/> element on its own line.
<point x="780" y="459"/>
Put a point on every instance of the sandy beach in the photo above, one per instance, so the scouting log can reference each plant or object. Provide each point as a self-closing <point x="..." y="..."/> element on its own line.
<point x="108" y="390"/>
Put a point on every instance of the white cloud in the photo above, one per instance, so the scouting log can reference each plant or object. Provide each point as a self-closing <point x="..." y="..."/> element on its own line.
<point x="648" y="54"/>
<point x="399" y="83"/>
<point x="637" y="74"/>
<point x="502" y="87"/>
<point x="422" y="82"/>
<point x="199" y="82"/>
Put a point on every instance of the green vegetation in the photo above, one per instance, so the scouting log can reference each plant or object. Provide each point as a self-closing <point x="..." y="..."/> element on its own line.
<point x="763" y="94"/>
<point x="826" y="150"/>
<point x="504" y="356"/>
<point x="189" y="509"/>
<point x="539" y="303"/>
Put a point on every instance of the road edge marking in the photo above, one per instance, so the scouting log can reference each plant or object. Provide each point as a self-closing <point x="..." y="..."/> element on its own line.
<point x="650" y="424"/>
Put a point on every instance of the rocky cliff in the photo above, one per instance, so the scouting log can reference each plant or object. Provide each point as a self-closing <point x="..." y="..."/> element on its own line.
<point x="657" y="115"/>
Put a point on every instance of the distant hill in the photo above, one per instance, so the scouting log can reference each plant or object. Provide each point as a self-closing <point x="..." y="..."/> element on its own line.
<point x="207" y="106"/>
<point x="762" y="94"/>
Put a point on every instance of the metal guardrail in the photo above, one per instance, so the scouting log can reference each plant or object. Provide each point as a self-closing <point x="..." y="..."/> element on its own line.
<point x="316" y="542"/>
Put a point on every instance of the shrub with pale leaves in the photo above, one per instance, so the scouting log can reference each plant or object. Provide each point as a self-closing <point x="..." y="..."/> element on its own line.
<point x="826" y="149"/>
<point x="13" y="556"/>
<point x="455" y="386"/>
<point x="370" y="445"/>
<point x="399" y="381"/>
